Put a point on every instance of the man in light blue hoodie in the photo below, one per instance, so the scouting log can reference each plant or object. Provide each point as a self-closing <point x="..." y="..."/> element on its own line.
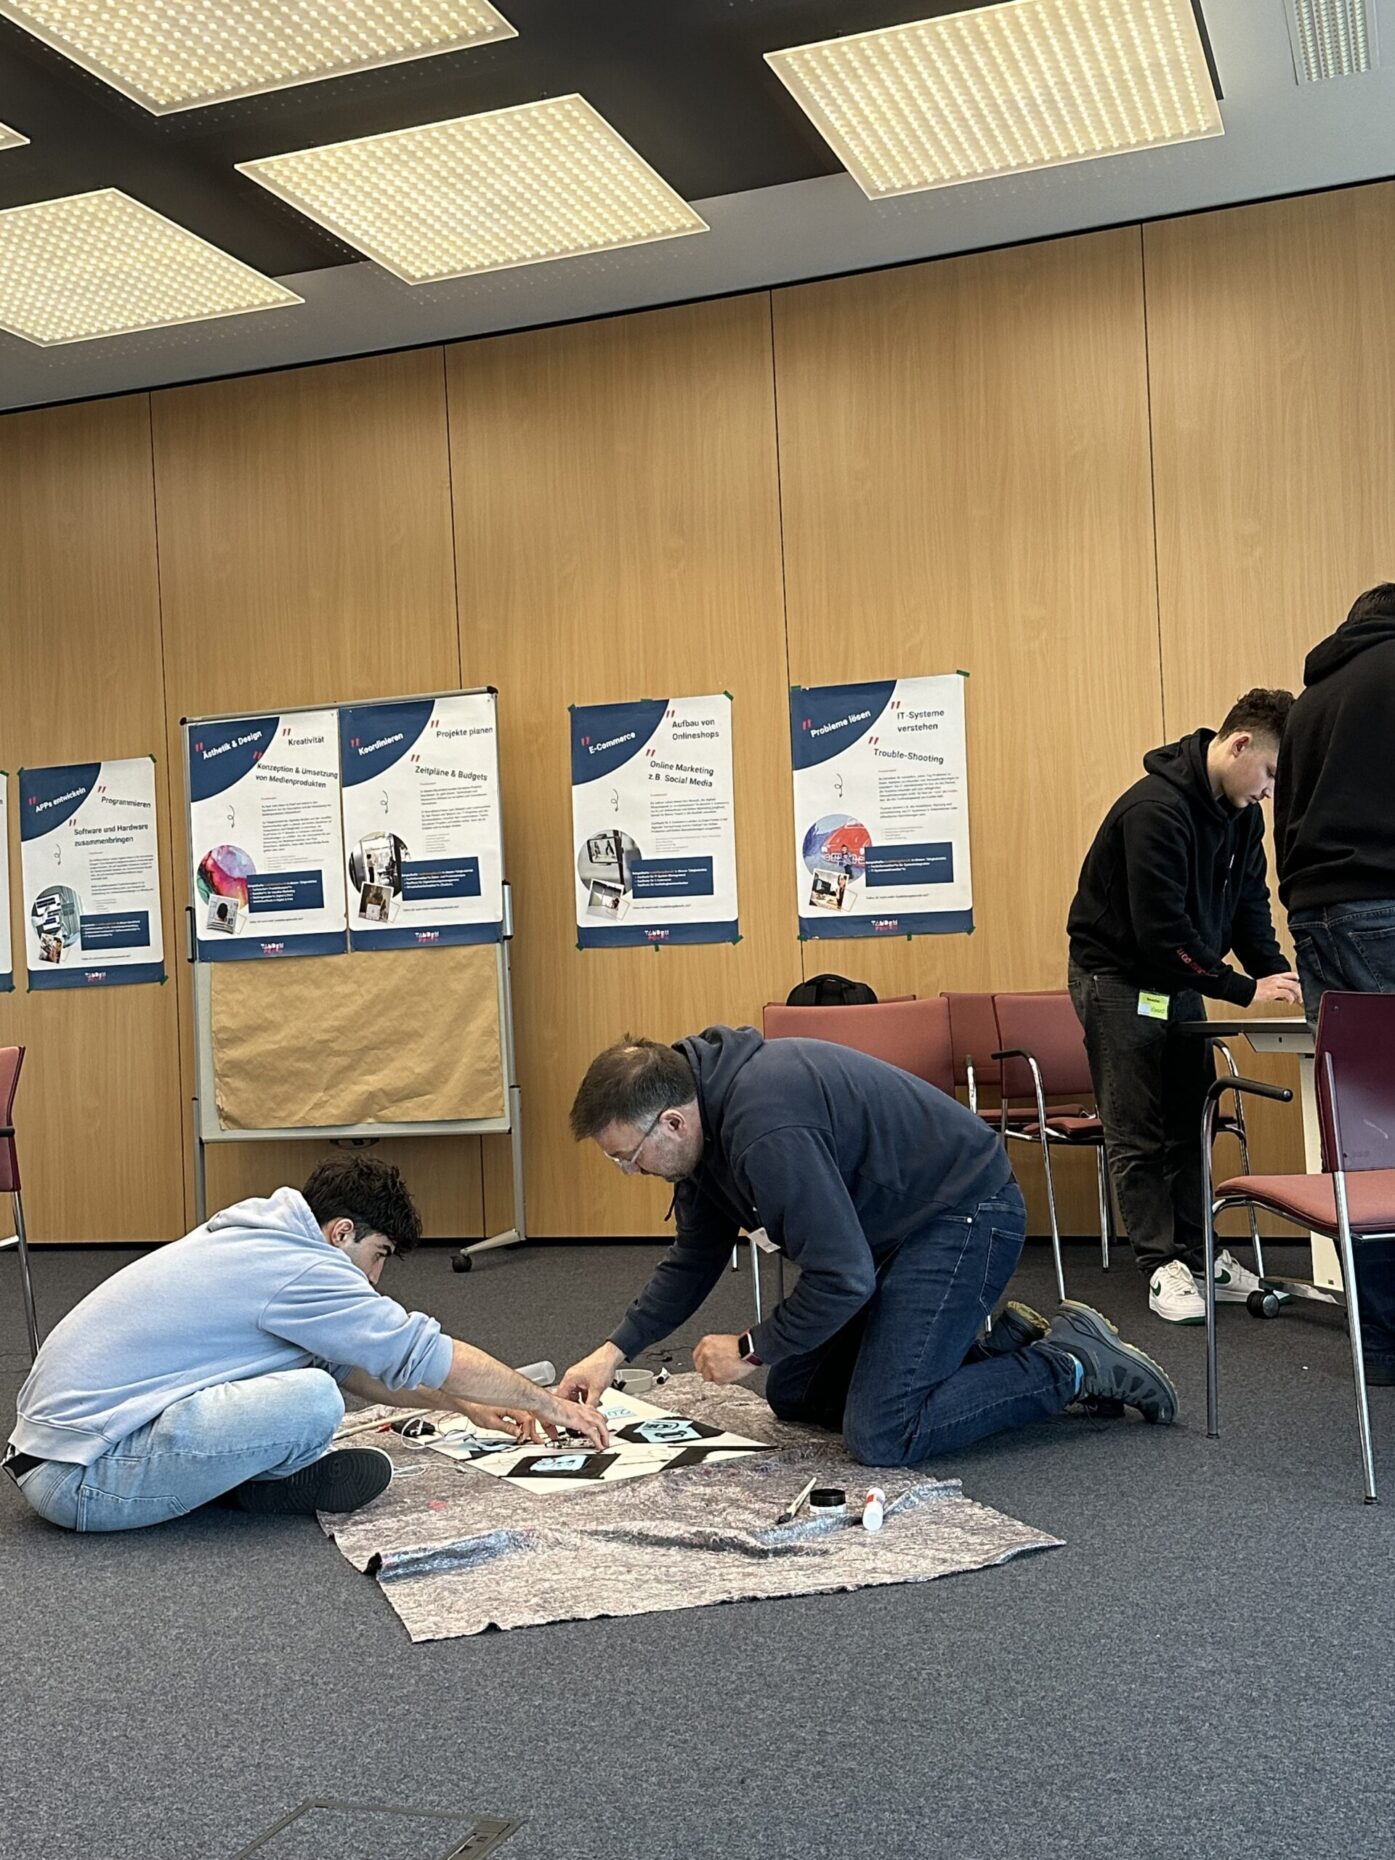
<point x="212" y="1369"/>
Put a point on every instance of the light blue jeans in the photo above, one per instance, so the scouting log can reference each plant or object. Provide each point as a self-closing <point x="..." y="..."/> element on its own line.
<point x="267" y="1427"/>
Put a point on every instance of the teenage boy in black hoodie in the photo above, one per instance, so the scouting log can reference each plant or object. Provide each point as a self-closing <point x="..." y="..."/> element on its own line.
<point x="1334" y="845"/>
<point x="899" y="1208"/>
<point x="1175" y="878"/>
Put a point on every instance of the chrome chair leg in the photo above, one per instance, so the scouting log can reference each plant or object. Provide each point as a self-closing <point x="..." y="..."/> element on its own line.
<point x="1358" y="1354"/>
<point x="1102" y="1182"/>
<point x="25" y="1281"/>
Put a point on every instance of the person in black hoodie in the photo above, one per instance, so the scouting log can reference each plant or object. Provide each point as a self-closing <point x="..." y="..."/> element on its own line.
<point x="1174" y="879"/>
<point x="1334" y="844"/>
<point x="899" y="1208"/>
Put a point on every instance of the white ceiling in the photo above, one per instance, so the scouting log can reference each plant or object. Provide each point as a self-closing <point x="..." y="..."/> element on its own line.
<point x="1280" y="138"/>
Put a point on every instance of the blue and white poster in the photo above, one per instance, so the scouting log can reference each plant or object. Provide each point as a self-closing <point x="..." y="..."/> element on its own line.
<point x="653" y="827"/>
<point x="881" y="808"/>
<point x="7" y="965"/>
<point x="266" y="837"/>
<point x="423" y="838"/>
<point x="91" y="874"/>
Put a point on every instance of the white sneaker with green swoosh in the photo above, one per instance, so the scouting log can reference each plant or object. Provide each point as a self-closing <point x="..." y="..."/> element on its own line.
<point x="1235" y="1282"/>
<point x="1173" y="1294"/>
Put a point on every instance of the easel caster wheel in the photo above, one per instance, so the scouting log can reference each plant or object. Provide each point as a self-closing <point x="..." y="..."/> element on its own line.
<point x="462" y="1261"/>
<point x="1263" y="1304"/>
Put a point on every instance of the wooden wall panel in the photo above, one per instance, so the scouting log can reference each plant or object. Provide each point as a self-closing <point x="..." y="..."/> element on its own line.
<point x="1273" y="381"/>
<point x="965" y="484"/>
<point x="617" y="530"/>
<point x="80" y="678"/>
<point x="306" y="557"/>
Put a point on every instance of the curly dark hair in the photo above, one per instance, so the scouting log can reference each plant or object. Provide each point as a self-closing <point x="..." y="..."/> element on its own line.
<point x="1261" y="712"/>
<point x="367" y="1192"/>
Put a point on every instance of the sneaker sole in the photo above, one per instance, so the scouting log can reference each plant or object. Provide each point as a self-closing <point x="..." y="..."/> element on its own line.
<point x="1168" y="1319"/>
<point x="1079" y="1309"/>
<point x="1020" y="1324"/>
<point x="364" y="1474"/>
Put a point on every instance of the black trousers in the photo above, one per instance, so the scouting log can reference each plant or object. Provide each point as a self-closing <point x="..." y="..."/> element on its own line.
<point x="1150" y="1086"/>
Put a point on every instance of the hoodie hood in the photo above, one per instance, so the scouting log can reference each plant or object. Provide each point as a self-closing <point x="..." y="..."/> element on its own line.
<point x="1183" y="764"/>
<point x="1352" y="638"/>
<point x="717" y="1056"/>
<point x="286" y="1213"/>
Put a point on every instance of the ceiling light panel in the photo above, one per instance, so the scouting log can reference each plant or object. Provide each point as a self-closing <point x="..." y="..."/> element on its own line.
<point x="1330" y="38"/>
<point x="1028" y="84"/>
<point x="181" y="54"/>
<point x="482" y="193"/>
<point x="102" y="264"/>
<point x="11" y="138"/>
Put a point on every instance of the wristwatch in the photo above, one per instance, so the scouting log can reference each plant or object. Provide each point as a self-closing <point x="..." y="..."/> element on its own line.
<point x="747" y="1350"/>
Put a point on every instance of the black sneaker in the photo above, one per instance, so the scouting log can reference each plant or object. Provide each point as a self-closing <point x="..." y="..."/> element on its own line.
<point x="1114" y="1370"/>
<point x="1014" y="1327"/>
<point x="340" y="1481"/>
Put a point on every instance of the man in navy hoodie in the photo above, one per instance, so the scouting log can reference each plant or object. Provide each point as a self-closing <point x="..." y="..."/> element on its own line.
<point x="1334" y="839"/>
<point x="210" y="1370"/>
<point x="1175" y="879"/>
<point x="899" y="1208"/>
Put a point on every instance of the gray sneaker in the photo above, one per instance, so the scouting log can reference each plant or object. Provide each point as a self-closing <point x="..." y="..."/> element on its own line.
<point x="1114" y="1370"/>
<point x="1014" y="1327"/>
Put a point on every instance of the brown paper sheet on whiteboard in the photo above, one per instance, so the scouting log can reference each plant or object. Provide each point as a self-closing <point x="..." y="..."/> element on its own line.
<point x="399" y="1036"/>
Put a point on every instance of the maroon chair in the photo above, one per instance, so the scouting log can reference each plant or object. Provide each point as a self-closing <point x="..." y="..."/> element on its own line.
<point x="1043" y="1056"/>
<point x="1354" y="1197"/>
<point x="911" y="1034"/>
<point x="11" y="1059"/>
<point x="973" y="1030"/>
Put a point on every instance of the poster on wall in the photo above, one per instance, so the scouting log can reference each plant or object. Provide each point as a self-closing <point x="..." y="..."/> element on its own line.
<point x="7" y="965"/>
<point x="423" y="838"/>
<point x="653" y="830"/>
<point x="91" y="874"/>
<point x="266" y="837"/>
<point x="881" y="808"/>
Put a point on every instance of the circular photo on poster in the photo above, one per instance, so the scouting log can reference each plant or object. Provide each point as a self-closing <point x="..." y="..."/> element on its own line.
<point x="837" y="843"/>
<point x="223" y="873"/>
<point x="606" y="860"/>
<point x="377" y="860"/>
<point x="56" y="915"/>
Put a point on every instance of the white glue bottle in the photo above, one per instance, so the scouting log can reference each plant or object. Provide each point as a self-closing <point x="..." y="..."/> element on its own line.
<point x="873" y="1508"/>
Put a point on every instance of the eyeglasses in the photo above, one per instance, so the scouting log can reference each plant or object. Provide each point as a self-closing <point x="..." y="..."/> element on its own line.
<point x="628" y="1162"/>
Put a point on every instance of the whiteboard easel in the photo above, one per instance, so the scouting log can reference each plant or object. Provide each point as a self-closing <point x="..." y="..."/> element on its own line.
<point x="207" y="1128"/>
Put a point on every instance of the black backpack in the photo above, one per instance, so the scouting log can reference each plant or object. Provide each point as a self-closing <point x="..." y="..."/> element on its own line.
<point x="830" y="991"/>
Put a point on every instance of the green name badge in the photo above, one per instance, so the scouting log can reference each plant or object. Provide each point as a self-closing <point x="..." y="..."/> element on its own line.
<point x="1152" y="1007"/>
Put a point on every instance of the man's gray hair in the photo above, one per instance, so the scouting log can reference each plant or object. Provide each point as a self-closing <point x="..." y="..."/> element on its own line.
<point x="632" y="1082"/>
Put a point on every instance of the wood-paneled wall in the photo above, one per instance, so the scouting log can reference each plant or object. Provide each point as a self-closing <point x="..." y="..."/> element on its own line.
<point x="1116" y="479"/>
<point x="81" y="677"/>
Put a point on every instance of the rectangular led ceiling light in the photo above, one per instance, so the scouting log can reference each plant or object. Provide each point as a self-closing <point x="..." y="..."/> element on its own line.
<point x="1330" y="38"/>
<point x="12" y="139"/>
<point x="102" y="264"/>
<point x="1001" y="89"/>
<point x="181" y="54"/>
<point x="482" y="193"/>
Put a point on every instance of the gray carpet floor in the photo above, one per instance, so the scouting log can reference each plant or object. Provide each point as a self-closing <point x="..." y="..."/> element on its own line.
<point x="1204" y="1670"/>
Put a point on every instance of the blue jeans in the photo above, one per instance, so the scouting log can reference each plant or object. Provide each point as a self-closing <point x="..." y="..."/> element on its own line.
<point x="1345" y="946"/>
<point x="1352" y="947"/>
<point x="267" y="1427"/>
<point x="905" y="1380"/>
